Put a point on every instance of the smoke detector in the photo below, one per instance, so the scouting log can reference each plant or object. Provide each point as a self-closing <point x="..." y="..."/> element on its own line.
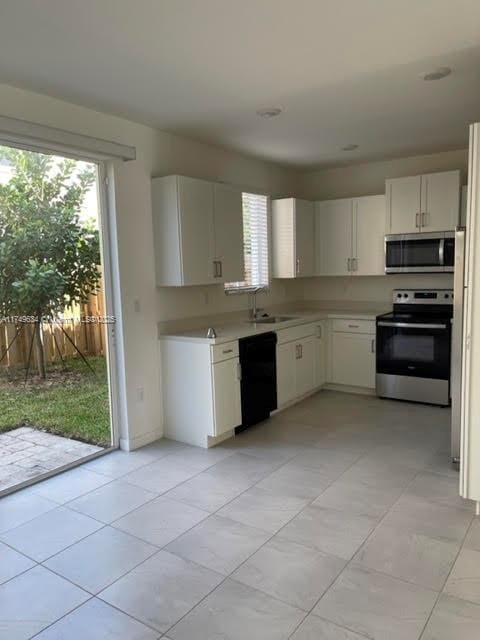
<point x="269" y="112"/>
<point x="436" y="74"/>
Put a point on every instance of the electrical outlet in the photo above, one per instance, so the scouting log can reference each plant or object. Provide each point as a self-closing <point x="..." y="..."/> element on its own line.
<point x="140" y="394"/>
<point x="136" y="305"/>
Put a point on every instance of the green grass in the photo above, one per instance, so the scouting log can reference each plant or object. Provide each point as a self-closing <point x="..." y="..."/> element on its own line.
<point x="72" y="403"/>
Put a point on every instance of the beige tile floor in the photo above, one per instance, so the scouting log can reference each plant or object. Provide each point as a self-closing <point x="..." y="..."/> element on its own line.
<point x="27" y="453"/>
<point x="338" y="519"/>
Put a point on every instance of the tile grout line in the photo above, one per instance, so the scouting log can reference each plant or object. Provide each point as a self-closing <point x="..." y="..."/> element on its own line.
<point x="351" y="561"/>
<point x="442" y="592"/>
<point x="229" y="576"/>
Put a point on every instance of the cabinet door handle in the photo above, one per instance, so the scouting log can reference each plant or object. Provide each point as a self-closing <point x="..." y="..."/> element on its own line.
<point x="220" y="268"/>
<point x="354" y="264"/>
<point x="417" y="220"/>
<point x="239" y="371"/>
<point x="298" y="266"/>
<point x="320" y="331"/>
<point x="372" y="346"/>
<point x="216" y="270"/>
<point x="353" y="326"/>
<point x="425" y="219"/>
<point x="297" y="351"/>
<point x="227" y="351"/>
<point x="348" y="264"/>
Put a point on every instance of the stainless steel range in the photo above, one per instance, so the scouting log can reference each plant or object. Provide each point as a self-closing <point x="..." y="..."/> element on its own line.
<point x="414" y="346"/>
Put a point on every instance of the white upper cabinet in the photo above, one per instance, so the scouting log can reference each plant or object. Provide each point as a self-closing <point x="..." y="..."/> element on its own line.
<point x="293" y="233"/>
<point x="183" y="231"/>
<point x="369" y="236"/>
<point x="440" y="201"/>
<point x="228" y="229"/>
<point x="424" y="203"/>
<point x="403" y="204"/>
<point x="350" y="236"/>
<point x="198" y="232"/>
<point x="334" y="237"/>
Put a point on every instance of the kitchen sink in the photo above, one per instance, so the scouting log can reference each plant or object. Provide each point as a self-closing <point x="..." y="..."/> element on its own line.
<point x="271" y="319"/>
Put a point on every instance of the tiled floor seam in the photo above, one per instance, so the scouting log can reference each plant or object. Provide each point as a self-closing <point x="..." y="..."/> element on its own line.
<point x="349" y="562"/>
<point x="60" y="575"/>
<point x="93" y="597"/>
<point x="61" y="618"/>
<point x="446" y="580"/>
<point x="262" y="530"/>
<point x="56" y="553"/>
<point x="162" y="634"/>
<point x="340" y="626"/>
<point x="229" y="576"/>
<point x="20" y="573"/>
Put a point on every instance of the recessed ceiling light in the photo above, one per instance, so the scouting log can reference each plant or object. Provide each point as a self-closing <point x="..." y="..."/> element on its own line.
<point x="437" y="74"/>
<point x="269" y="112"/>
<point x="350" y="147"/>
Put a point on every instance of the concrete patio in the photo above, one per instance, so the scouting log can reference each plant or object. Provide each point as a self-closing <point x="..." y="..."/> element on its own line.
<point x="26" y="453"/>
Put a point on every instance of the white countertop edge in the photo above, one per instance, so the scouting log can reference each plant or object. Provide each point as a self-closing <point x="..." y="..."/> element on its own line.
<point x="238" y="330"/>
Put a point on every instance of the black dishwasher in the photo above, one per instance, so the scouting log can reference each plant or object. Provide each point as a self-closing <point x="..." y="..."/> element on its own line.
<point x="259" y="377"/>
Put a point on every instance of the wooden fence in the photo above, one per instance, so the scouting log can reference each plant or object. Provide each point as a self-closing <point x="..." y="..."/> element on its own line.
<point x="88" y="337"/>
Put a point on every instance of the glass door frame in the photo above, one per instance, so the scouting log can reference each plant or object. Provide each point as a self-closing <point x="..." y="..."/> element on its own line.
<point x="107" y="224"/>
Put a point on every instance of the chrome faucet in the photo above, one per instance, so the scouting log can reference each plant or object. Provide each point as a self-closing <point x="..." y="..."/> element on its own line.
<point x="254" y="310"/>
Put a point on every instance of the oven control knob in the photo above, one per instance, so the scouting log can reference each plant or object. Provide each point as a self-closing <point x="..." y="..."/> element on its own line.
<point x="446" y="295"/>
<point x="405" y="295"/>
<point x="399" y="295"/>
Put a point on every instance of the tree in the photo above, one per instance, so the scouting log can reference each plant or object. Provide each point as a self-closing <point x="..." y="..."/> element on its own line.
<point x="49" y="258"/>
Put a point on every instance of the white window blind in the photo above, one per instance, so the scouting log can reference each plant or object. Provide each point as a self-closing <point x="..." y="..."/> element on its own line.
<point x="255" y="243"/>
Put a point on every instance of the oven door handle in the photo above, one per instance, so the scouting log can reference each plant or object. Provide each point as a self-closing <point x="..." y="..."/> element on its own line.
<point x="412" y="325"/>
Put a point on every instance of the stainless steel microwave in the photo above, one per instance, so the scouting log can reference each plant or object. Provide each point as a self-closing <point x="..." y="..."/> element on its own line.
<point x="420" y="252"/>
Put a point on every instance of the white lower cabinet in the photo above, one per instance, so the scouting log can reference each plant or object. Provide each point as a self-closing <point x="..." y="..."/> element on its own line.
<point x="286" y="391"/>
<point x="226" y="395"/>
<point x="297" y="369"/>
<point x="353" y="359"/>
<point x="201" y="390"/>
<point x="305" y="366"/>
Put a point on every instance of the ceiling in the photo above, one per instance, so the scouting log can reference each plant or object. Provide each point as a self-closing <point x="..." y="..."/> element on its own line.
<point x="344" y="71"/>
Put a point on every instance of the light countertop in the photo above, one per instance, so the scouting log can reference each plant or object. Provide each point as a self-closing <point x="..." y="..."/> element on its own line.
<point x="243" y="328"/>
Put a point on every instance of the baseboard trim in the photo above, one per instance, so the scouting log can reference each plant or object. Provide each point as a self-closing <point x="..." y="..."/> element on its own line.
<point x="345" y="388"/>
<point x="130" y="444"/>
<point x="212" y="441"/>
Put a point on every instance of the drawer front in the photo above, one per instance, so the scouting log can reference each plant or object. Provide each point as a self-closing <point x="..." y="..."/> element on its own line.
<point x="224" y="351"/>
<point x="353" y="326"/>
<point x="296" y="333"/>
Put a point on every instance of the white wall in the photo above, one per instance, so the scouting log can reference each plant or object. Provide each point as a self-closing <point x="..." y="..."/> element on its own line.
<point x="375" y="289"/>
<point x="369" y="179"/>
<point x="158" y="153"/>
